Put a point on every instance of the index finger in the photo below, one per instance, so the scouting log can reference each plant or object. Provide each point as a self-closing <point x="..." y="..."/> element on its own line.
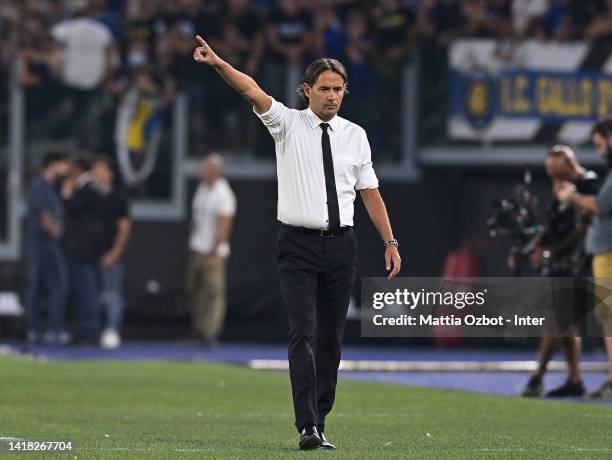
<point x="201" y="40"/>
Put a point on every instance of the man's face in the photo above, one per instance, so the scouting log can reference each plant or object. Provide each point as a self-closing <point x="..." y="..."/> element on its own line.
<point x="102" y="174"/>
<point x="209" y="171"/>
<point x="61" y="168"/>
<point x="558" y="168"/>
<point x="601" y="145"/>
<point x="325" y="96"/>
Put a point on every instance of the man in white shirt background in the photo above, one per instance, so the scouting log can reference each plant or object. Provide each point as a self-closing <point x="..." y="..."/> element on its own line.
<point x="213" y="210"/>
<point x="88" y="55"/>
<point x="322" y="160"/>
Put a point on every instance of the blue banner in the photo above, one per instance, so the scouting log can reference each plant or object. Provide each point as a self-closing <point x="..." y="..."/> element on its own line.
<point x="531" y="94"/>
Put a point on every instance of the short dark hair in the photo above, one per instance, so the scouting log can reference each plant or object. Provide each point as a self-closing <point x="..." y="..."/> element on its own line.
<point x="316" y="68"/>
<point x="602" y="127"/>
<point x="82" y="162"/>
<point x="52" y="157"/>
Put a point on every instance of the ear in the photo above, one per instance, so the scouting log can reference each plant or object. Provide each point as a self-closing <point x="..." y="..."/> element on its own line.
<point x="307" y="89"/>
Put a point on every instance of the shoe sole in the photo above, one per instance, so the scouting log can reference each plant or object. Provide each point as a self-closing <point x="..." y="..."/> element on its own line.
<point x="566" y="395"/>
<point x="310" y="442"/>
<point x="329" y="447"/>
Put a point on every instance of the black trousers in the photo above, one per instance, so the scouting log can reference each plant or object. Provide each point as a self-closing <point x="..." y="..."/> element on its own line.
<point x="316" y="278"/>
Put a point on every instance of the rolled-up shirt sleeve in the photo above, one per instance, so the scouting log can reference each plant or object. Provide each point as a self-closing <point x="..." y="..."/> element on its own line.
<point x="275" y="119"/>
<point x="367" y="177"/>
<point x="604" y="198"/>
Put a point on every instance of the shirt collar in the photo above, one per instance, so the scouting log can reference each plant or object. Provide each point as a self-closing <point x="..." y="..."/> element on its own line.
<point x="314" y="121"/>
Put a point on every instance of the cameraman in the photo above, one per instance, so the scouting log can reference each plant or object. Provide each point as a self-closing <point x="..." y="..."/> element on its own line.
<point x="599" y="239"/>
<point x="559" y="251"/>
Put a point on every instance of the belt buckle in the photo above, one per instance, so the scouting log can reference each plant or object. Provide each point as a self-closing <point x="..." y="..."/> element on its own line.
<point x="327" y="234"/>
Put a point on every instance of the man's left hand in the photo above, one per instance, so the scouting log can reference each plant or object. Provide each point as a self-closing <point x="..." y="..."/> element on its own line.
<point x="393" y="260"/>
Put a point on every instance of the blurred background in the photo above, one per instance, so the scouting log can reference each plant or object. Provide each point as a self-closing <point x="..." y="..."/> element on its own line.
<point x="458" y="98"/>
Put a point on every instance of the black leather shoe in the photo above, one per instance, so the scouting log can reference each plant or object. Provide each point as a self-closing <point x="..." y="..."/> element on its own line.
<point x="534" y="387"/>
<point x="325" y="444"/>
<point x="567" y="389"/>
<point x="309" y="438"/>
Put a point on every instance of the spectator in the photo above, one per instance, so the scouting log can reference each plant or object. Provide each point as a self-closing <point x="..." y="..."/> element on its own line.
<point x="330" y="38"/>
<point x="600" y="25"/>
<point x="36" y="65"/>
<point x="214" y="206"/>
<point x="527" y="16"/>
<point x="289" y="33"/>
<point x="394" y="32"/>
<point x="585" y="18"/>
<point x="87" y="54"/>
<point x="147" y="23"/>
<point x="113" y="215"/>
<point x="80" y="200"/>
<point x="393" y="28"/>
<point x="191" y="19"/>
<point x="241" y="37"/>
<point x="440" y="21"/>
<point x="145" y="96"/>
<point x="102" y="11"/>
<point x="46" y="262"/>
<point x="554" y="23"/>
<point x="357" y="58"/>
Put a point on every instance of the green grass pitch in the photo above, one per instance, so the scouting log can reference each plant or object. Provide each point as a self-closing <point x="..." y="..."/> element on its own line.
<point x="126" y="410"/>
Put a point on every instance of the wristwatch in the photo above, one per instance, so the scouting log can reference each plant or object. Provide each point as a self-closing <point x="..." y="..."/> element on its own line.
<point x="393" y="242"/>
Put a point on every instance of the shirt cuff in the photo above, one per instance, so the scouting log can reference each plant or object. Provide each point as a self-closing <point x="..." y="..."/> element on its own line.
<point x="271" y="116"/>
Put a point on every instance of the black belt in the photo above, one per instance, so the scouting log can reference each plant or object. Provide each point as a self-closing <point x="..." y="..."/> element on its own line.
<point x="314" y="231"/>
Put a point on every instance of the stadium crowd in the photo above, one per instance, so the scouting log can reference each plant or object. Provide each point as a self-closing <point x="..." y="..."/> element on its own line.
<point x="77" y="58"/>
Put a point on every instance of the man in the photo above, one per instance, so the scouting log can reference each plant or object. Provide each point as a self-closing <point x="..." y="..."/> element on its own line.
<point x="322" y="159"/>
<point x="46" y="262"/>
<point x="599" y="239"/>
<point x="213" y="209"/>
<point x="88" y="55"/>
<point x="80" y="241"/>
<point x="115" y="228"/>
<point x="559" y="251"/>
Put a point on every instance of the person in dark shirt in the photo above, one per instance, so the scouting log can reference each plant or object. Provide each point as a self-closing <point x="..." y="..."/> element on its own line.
<point x="148" y="24"/>
<point x="393" y="29"/>
<point x="588" y="18"/>
<point x="80" y="200"/>
<point x="240" y="36"/>
<point x="46" y="262"/>
<point x="193" y="16"/>
<point x="115" y="228"/>
<point x="357" y="57"/>
<point x="560" y="252"/>
<point x="289" y="32"/>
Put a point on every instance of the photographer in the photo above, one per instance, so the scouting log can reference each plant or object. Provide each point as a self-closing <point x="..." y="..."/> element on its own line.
<point x="598" y="239"/>
<point x="559" y="251"/>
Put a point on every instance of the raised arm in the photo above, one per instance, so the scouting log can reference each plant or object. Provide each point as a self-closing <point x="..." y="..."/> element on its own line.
<point x="240" y="82"/>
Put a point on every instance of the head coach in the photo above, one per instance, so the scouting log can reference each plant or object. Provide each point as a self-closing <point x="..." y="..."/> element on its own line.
<point x="322" y="159"/>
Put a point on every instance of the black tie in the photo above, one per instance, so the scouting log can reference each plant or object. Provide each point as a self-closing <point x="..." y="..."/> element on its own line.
<point x="333" y="210"/>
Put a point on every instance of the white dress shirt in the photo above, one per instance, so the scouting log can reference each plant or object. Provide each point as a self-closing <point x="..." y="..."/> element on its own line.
<point x="209" y="203"/>
<point x="302" y="197"/>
